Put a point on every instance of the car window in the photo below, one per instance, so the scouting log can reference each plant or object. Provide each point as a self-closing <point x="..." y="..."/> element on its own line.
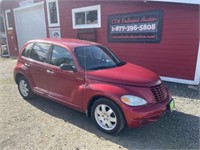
<point x="96" y="57"/>
<point x="26" y="50"/>
<point x="60" y="56"/>
<point x="40" y="52"/>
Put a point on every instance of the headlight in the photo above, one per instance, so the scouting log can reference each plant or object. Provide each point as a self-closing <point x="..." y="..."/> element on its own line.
<point x="133" y="100"/>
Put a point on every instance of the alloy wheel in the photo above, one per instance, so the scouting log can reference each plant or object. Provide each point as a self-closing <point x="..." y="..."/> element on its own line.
<point x="105" y="117"/>
<point x="23" y="86"/>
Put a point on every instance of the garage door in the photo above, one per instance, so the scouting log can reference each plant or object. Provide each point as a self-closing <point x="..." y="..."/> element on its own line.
<point x="30" y="23"/>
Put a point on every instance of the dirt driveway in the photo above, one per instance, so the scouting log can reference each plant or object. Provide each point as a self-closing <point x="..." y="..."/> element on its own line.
<point x="43" y="124"/>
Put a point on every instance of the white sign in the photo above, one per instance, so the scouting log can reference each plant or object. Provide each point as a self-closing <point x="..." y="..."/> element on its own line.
<point x="54" y="33"/>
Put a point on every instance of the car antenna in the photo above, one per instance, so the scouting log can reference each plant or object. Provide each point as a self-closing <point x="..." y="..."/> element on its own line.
<point x="84" y="54"/>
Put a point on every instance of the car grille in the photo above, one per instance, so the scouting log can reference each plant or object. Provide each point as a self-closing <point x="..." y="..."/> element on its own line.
<point x="159" y="93"/>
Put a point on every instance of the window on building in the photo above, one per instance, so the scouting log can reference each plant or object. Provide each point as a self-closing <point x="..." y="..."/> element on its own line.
<point x="86" y="17"/>
<point x="61" y="56"/>
<point x="40" y="52"/>
<point x="53" y="13"/>
<point x="2" y="28"/>
<point x="9" y="23"/>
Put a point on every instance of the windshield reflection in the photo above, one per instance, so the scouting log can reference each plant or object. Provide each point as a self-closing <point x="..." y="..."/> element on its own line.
<point x="96" y="57"/>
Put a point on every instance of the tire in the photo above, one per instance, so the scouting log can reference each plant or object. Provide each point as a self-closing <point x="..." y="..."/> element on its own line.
<point x="24" y="88"/>
<point x="107" y="116"/>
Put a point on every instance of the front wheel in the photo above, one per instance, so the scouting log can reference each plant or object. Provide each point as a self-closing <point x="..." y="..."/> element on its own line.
<point x="24" y="88"/>
<point x="107" y="116"/>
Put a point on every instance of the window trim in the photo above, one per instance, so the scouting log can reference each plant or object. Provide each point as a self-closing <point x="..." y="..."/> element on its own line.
<point x="48" y="14"/>
<point x="7" y="23"/>
<point x="84" y="9"/>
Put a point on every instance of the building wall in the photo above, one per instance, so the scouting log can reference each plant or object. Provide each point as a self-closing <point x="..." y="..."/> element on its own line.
<point x="11" y="34"/>
<point x="175" y="56"/>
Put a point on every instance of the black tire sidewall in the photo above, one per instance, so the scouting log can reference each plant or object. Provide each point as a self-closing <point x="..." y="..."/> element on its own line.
<point x="119" y="115"/>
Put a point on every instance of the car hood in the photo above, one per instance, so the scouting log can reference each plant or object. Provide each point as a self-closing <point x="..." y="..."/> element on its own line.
<point x="127" y="74"/>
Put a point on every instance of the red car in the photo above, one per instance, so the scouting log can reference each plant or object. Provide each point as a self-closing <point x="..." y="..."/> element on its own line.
<point x="88" y="77"/>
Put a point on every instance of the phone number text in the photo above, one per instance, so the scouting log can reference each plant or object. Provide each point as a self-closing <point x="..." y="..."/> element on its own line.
<point x="134" y="28"/>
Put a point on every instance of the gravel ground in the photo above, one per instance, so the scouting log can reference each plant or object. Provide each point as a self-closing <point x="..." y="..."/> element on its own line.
<point x="44" y="124"/>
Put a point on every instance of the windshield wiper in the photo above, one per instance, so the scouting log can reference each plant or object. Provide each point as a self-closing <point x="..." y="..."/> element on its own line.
<point x="101" y="67"/>
<point x="121" y="63"/>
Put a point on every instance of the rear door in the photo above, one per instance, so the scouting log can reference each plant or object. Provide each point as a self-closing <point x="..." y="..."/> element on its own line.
<point x="38" y="66"/>
<point x="64" y="85"/>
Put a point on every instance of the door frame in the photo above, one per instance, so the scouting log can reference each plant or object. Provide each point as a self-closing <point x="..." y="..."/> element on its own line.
<point x="5" y="27"/>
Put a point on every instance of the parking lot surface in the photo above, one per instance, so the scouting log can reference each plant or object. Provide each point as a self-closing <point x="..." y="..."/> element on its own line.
<point x="44" y="124"/>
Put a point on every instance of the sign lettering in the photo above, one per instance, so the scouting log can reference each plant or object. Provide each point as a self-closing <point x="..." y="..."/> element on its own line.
<point x="135" y="27"/>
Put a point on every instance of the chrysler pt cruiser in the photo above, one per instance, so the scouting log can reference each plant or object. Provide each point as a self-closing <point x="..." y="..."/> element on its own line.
<point x="88" y="77"/>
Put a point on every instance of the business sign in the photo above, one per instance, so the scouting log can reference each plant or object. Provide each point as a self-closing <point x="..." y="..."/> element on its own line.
<point x="135" y="27"/>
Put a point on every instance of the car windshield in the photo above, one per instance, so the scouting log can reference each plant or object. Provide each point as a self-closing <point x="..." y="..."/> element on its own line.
<point x="96" y="57"/>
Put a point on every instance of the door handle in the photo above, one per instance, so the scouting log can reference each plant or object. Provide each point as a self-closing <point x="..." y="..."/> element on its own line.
<point x="50" y="71"/>
<point x="27" y="65"/>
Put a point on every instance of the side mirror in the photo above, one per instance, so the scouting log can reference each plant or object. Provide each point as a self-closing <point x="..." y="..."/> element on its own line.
<point x="69" y="67"/>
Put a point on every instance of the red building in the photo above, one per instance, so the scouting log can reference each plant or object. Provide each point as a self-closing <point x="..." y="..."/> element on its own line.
<point x="160" y="35"/>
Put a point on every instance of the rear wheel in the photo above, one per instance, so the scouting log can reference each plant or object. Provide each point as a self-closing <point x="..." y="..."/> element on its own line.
<point x="107" y="116"/>
<point x="24" y="88"/>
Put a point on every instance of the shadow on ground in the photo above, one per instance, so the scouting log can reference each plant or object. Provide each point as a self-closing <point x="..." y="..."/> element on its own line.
<point x="172" y="131"/>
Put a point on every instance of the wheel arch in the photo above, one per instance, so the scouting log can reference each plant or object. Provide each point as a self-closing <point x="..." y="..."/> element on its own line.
<point x="95" y="98"/>
<point x="18" y="75"/>
<point x="102" y="90"/>
<point x="91" y="102"/>
<point x="122" y="122"/>
<point x="21" y="74"/>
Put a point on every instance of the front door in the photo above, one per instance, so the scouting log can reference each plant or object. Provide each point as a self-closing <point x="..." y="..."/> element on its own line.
<point x="65" y="86"/>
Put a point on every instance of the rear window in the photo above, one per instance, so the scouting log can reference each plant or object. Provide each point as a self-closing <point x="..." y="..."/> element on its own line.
<point x="26" y="50"/>
<point x="40" y="52"/>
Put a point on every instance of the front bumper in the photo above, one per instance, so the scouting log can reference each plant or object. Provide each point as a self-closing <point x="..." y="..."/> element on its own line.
<point x="140" y="116"/>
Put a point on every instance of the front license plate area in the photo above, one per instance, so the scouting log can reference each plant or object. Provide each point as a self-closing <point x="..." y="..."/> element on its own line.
<point x="171" y="105"/>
